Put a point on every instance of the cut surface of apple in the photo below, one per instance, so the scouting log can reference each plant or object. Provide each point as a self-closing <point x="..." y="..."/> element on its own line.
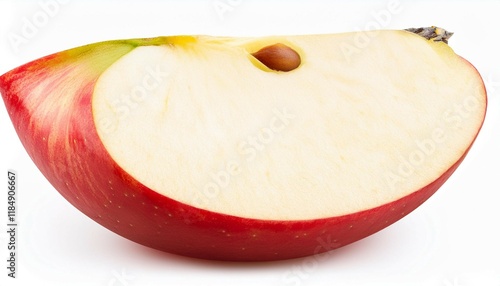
<point x="325" y="139"/>
<point x="192" y="145"/>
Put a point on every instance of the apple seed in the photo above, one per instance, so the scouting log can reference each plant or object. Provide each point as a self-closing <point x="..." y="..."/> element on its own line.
<point x="278" y="57"/>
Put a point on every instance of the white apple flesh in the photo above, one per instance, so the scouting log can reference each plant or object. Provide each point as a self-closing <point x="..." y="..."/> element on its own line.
<point x="193" y="146"/>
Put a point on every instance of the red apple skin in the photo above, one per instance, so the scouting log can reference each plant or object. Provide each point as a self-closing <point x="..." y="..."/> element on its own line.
<point x="63" y="143"/>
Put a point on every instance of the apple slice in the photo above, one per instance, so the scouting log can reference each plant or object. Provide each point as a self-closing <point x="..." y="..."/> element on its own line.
<point x="249" y="149"/>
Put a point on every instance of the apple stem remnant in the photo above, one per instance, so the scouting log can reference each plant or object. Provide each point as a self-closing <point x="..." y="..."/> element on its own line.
<point x="435" y="33"/>
<point x="278" y="57"/>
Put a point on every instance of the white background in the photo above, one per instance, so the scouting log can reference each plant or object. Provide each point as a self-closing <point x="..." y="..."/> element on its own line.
<point x="453" y="239"/>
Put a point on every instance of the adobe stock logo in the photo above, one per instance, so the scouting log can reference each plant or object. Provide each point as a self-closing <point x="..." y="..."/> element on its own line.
<point x="425" y="148"/>
<point x="380" y="20"/>
<point x="120" y="278"/>
<point x="248" y="149"/>
<point x="302" y="271"/>
<point x="222" y="7"/>
<point x="123" y="106"/>
<point x="32" y="25"/>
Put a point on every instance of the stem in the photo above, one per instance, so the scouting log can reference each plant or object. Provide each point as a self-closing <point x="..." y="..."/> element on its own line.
<point x="435" y="33"/>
